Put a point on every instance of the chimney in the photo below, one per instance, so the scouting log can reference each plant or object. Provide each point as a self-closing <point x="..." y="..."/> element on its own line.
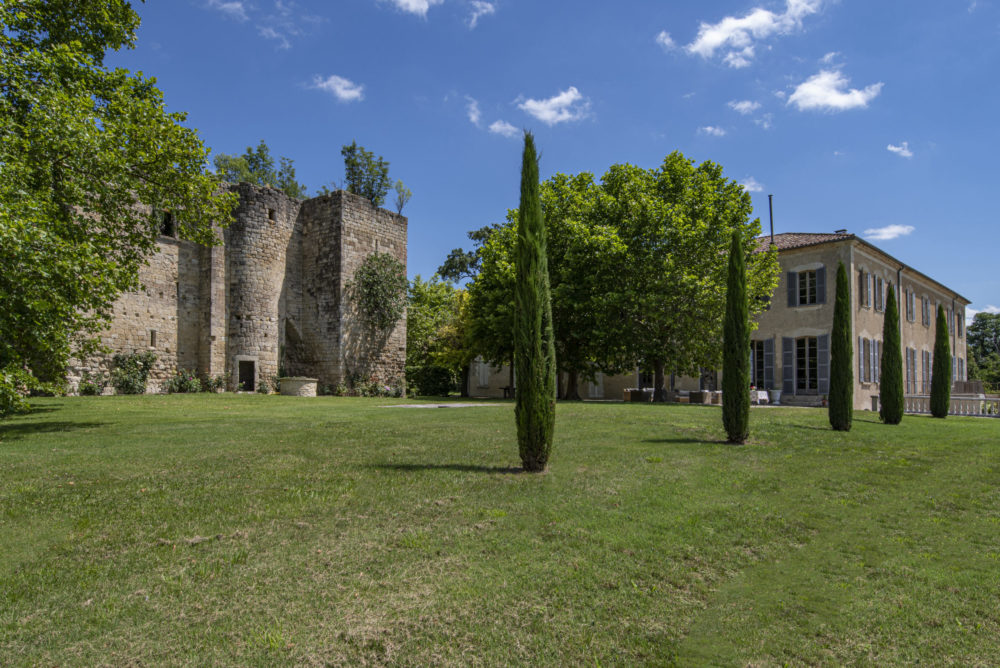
<point x="840" y="231"/>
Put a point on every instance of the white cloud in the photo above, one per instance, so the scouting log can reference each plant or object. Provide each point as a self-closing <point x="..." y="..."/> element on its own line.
<point x="569" y="105"/>
<point x="751" y="185"/>
<point x="827" y="91"/>
<point x="233" y="8"/>
<point x="744" y="107"/>
<point x="829" y="58"/>
<point x="902" y="150"/>
<point x="666" y="41"/>
<point x="889" y="232"/>
<point x="970" y="313"/>
<point x="285" y="23"/>
<point x="267" y="32"/>
<point x="343" y="89"/>
<point x="503" y="128"/>
<point x="713" y="131"/>
<point x="737" y="36"/>
<point x="472" y="110"/>
<point x="764" y="121"/>
<point x="479" y="10"/>
<point x="418" y="7"/>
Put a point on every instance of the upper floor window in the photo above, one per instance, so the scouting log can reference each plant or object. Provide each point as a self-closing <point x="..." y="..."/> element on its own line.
<point x="879" y="294"/>
<point x="910" y="306"/>
<point x="864" y="288"/>
<point x="959" y="322"/>
<point x="925" y="312"/>
<point x="168" y="227"/>
<point x="807" y="287"/>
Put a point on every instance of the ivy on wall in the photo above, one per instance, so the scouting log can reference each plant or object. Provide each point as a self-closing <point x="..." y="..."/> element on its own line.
<point x="378" y="291"/>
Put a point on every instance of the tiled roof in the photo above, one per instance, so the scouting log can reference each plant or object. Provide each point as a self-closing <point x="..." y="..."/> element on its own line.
<point x="789" y="240"/>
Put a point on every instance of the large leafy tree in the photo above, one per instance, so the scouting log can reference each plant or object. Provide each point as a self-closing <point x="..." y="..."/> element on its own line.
<point x="677" y="222"/>
<point x="437" y="327"/>
<point x="736" y="348"/>
<point x="534" y="349"/>
<point x="365" y="174"/>
<point x="892" y="400"/>
<point x="841" y="402"/>
<point x="257" y="166"/>
<point x="984" y="348"/>
<point x="89" y="159"/>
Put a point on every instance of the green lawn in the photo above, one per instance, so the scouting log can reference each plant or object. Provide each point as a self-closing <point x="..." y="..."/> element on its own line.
<point x="222" y="529"/>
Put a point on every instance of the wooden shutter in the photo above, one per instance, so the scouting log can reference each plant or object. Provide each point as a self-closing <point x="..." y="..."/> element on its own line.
<point x="788" y="365"/>
<point x="861" y="359"/>
<point x="769" y="364"/>
<point x="821" y="285"/>
<point x="823" y="363"/>
<point x="793" y="289"/>
<point x="877" y="354"/>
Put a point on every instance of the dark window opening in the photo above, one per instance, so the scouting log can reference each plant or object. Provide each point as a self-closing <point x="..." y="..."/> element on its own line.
<point x="247" y="376"/>
<point x="168" y="228"/>
<point x="806" y="365"/>
<point x="807" y="287"/>
<point x="152" y="338"/>
<point x="271" y="215"/>
<point x="757" y="369"/>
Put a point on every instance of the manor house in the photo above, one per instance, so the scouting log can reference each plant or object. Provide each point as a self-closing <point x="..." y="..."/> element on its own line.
<point x="271" y="297"/>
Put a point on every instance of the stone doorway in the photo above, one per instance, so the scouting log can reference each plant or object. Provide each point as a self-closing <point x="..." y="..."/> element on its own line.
<point x="247" y="376"/>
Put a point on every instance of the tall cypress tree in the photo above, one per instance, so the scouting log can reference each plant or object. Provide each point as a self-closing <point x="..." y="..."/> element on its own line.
<point x="841" y="402"/>
<point x="941" y="369"/>
<point x="736" y="348"/>
<point x="891" y="397"/>
<point x="534" y="345"/>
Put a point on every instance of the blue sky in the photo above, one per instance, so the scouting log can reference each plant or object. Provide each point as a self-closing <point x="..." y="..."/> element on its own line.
<point x="879" y="116"/>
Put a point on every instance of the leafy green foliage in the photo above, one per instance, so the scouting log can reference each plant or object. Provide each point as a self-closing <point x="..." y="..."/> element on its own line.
<point x="378" y="291"/>
<point x="984" y="348"/>
<point x="89" y="156"/>
<point x="841" y="401"/>
<point x="91" y="386"/>
<point x="364" y="174"/>
<point x="131" y="372"/>
<point x="403" y="195"/>
<point x="736" y="348"/>
<point x="431" y="380"/>
<point x="15" y="384"/>
<point x="891" y="394"/>
<point x="534" y="348"/>
<point x="437" y="331"/>
<point x="257" y="166"/>
<point x="941" y="368"/>
<point x="184" y="381"/>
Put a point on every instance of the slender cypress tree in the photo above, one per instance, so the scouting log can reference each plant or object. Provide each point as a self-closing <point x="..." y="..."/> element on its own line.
<point x="941" y="369"/>
<point x="893" y="403"/>
<point x="534" y="344"/>
<point x="736" y="348"/>
<point x="841" y="402"/>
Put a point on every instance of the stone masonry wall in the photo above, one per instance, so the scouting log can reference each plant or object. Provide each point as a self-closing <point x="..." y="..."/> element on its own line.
<point x="256" y="247"/>
<point x="367" y="229"/>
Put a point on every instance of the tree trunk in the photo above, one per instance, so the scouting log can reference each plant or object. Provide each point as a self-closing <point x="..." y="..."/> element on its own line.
<point x="572" y="386"/>
<point x="510" y="377"/>
<point x="659" y="392"/>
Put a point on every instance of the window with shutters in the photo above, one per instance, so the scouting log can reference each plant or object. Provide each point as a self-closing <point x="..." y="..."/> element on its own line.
<point x="757" y="363"/>
<point x="807" y="287"/>
<point x="959" y="322"/>
<point x="865" y="359"/>
<point x="806" y="365"/>
<point x="879" y="294"/>
<point x="926" y="372"/>
<point x="865" y="288"/>
<point x="925" y="312"/>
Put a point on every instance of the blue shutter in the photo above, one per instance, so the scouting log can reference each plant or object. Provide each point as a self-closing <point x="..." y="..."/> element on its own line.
<point x="821" y="285"/>
<point x="823" y="363"/>
<point x="788" y="365"/>
<point x="861" y="359"/>
<point x="793" y="289"/>
<point x="769" y="364"/>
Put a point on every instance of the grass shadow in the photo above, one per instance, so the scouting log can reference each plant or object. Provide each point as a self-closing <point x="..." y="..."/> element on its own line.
<point x="464" y="468"/>
<point x="687" y="441"/>
<point x="16" y="432"/>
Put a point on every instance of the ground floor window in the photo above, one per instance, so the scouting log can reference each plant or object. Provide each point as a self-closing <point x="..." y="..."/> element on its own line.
<point x="757" y="364"/>
<point x="806" y="364"/>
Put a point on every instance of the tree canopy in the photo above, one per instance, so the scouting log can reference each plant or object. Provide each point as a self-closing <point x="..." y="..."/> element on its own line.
<point x="365" y="174"/>
<point x="984" y="347"/>
<point x="257" y="166"/>
<point x="89" y="159"/>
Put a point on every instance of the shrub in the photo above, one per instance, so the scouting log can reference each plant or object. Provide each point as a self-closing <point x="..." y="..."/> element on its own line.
<point x="378" y="291"/>
<point x="213" y="383"/>
<point x="430" y="380"/>
<point x="183" y="382"/>
<point x="263" y="387"/>
<point x="91" y="386"/>
<point x="131" y="372"/>
<point x="15" y="383"/>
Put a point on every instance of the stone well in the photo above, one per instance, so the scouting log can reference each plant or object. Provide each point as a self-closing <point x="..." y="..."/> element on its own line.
<point x="298" y="386"/>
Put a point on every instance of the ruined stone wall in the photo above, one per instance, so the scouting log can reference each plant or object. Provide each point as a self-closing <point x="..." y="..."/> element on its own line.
<point x="163" y="317"/>
<point x="367" y="229"/>
<point x="319" y="322"/>
<point x="256" y="247"/>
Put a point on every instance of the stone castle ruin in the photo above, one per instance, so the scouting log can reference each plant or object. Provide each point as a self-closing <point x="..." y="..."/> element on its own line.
<point x="271" y="298"/>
